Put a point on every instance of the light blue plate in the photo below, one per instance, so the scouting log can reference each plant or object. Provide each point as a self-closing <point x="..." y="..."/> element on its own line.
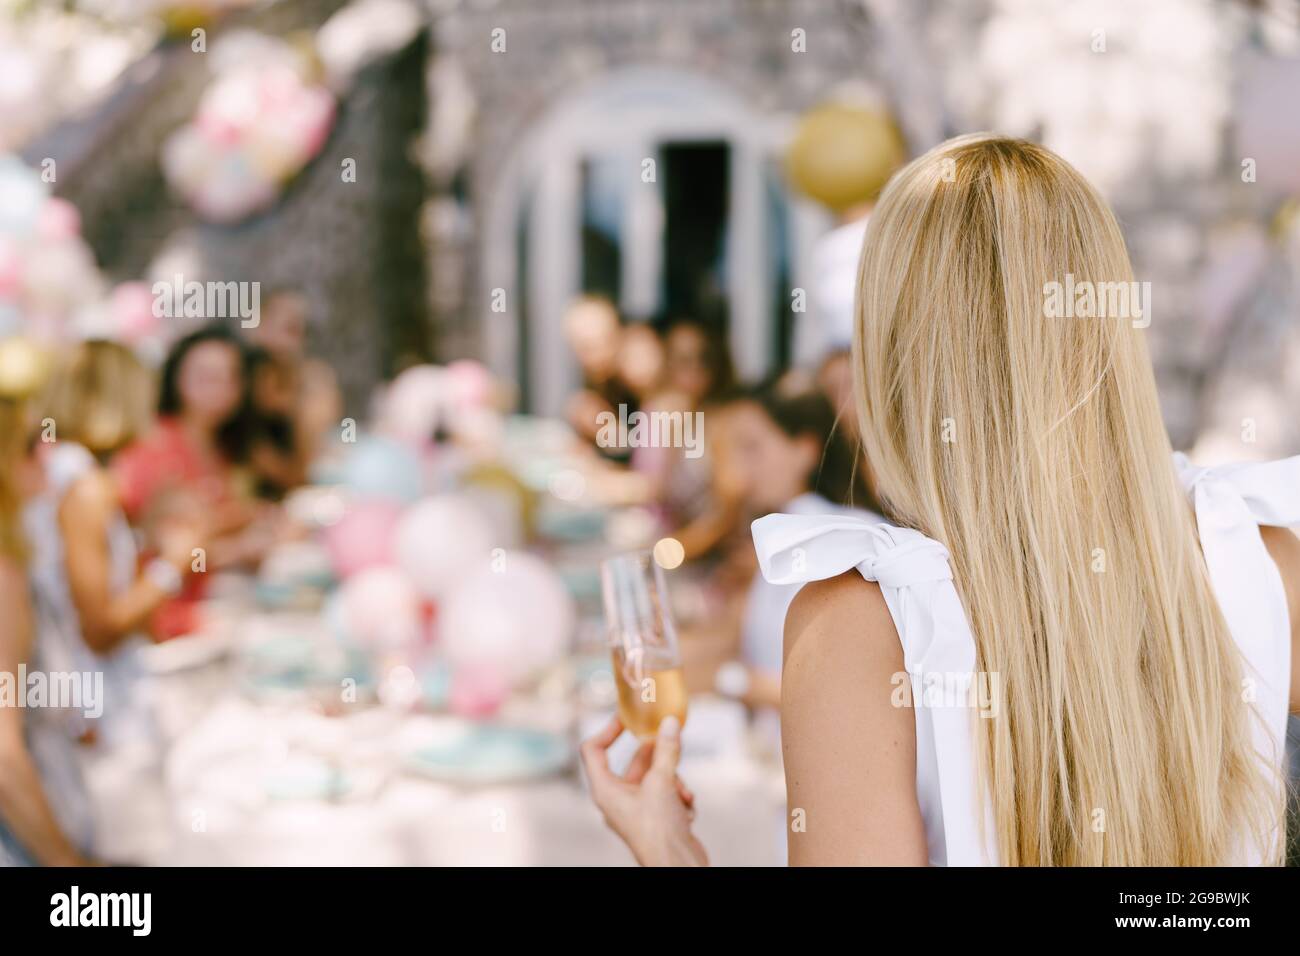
<point x="487" y="754"/>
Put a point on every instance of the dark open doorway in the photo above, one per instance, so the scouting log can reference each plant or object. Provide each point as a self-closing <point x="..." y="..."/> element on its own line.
<point x="695" y="177"/>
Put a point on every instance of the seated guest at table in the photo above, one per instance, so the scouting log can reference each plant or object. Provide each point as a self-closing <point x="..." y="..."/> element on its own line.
<point x="641" y="359"/>
<point x="698" y="371"/>
<point x="592" y="328"/>
<point x="85" y="564"/>
<point x="719" y="534"/>
<point x="291" y="400"/>
<point x="44" y="810"/>
<point x="188" y="465"/>
<point x="786" y="444"/>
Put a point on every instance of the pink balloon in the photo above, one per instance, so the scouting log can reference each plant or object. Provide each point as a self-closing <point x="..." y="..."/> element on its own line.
<point x="363" y="538"/>
<point x="469" y="383"/>
<point x="131" y="307"/>
<point x="10" y="272"/>
<point x="477" y="691"/>
<point x="58" y="220"/>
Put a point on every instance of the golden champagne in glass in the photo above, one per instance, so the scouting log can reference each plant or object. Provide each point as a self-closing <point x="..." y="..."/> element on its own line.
<point x="643" y="645"/>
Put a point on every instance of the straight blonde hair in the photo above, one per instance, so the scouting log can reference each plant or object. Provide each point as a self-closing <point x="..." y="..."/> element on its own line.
<point x="1033" y="448"/>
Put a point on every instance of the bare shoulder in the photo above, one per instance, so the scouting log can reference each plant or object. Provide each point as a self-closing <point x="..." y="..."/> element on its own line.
<point x="89" y="500"/>
<point x="850" y="751"/>
<point x="1284" y="547"/>
<point x="841" y="614"/>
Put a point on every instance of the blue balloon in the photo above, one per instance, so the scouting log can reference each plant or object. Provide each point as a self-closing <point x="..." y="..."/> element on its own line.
<point x="385" y="469"/>
<point x="22" y="194"/>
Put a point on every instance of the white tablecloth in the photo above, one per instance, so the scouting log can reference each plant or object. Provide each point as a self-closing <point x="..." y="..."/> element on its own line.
<point x="202" y="795"/>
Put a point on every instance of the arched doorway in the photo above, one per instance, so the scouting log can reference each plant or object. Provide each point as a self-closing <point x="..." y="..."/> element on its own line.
<point x="659" y="188"/>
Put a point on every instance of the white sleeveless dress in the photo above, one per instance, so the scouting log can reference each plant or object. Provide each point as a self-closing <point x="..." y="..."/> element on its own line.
<point x="1231" y="502"/>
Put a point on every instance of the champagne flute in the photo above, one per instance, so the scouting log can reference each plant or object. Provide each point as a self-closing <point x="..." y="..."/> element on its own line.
<point x="643" y="643"/>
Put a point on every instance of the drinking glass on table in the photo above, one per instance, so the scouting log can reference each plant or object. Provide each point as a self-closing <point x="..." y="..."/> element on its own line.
<point x="643" y="643"/>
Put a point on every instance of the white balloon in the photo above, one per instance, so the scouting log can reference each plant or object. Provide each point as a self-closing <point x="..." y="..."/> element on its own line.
<point x="380" y="609"/>
<point x="412" y="402"/>
<point x="440" y="540"/>
<point x="512" y="615"/>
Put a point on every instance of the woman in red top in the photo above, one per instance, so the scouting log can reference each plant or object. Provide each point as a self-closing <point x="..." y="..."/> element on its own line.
<point x="186" y="469"/>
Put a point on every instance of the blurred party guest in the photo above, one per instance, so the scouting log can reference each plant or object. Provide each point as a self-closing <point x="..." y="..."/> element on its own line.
<point x="698" y="360"/>
<point x="85" y="563"/>
<point x="44" y="810"/>
<point x="719" y="531"/>
<point x="827" y="327"/>
<point x="835" y="379"/>
<point x="786" y="444"/>
<point x="641" y="361"/>
<point x="187" y="466"/>
<point x="592" y="328"/>
<point x="699" y="369"/>
<point x="292" y="399"/>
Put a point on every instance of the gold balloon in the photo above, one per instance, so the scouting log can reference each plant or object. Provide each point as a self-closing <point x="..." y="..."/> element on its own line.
<point x="23" y="368"/>
<point x="494" y="476"/>
<point x="843" y="155"/>
<point x="182" y="20"/>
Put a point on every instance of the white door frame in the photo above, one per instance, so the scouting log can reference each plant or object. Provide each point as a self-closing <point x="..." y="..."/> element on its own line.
<point x="630" y="111"/>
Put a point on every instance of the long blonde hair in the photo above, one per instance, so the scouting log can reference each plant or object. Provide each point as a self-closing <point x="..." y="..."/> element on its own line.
<point x="24" y="367"/>
<point x="1033" y="448"/>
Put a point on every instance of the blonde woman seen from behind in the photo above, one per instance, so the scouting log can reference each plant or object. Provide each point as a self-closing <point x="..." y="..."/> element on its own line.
<point x="1120" y="627"/>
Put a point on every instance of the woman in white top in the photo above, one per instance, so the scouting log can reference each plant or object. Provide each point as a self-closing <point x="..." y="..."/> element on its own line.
<point x="1067" y="649"/>
<point x="85" y="570"/>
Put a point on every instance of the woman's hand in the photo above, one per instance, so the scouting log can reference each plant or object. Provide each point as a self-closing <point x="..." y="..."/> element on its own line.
<point x="178" y="539"/>
<point x="648" y="807"/>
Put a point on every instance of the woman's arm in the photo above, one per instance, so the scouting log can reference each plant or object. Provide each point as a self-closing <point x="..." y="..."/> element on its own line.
<point x="106" y="618"/>
<point x="1284" y="546"/>
<point x="850" y="754"/>
<point x="23" y="805"/>
<point x="764" y="689"/>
